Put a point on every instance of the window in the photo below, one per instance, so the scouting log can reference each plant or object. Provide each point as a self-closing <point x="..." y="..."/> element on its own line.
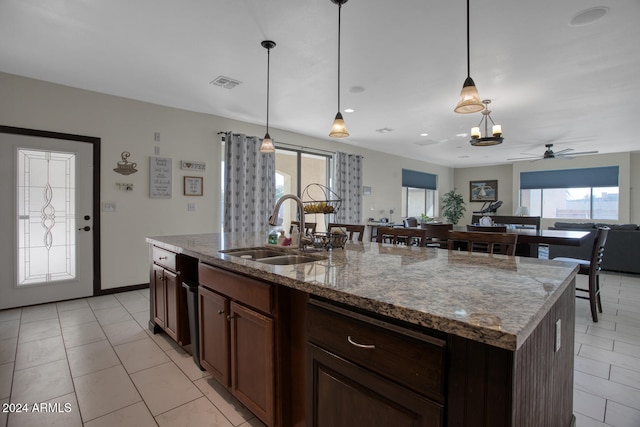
<point x="295" y="170"/>
<point x="418" y="193"/>
<point x="589" y="193"/>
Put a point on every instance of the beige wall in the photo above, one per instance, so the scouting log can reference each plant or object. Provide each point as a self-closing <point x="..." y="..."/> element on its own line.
<point x="128" y="125"/>
<point x="502" y="173"/>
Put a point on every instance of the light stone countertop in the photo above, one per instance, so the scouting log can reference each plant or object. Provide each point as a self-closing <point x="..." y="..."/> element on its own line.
<point x="492" y="299"/>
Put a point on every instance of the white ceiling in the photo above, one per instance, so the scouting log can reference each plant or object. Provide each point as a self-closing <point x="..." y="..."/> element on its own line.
<point x="575" y="87"/>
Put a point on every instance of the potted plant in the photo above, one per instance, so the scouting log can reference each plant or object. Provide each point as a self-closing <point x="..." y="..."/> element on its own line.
<point x="453" y="207"/>
<point x="425" y="218"/>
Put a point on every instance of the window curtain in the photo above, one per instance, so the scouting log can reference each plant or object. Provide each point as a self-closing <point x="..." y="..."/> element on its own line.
<point x="347" y="184"/>
<point x="249" y="187"/>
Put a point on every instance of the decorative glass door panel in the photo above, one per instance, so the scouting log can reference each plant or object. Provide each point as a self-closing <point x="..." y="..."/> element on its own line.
<point x="46" y="216"/>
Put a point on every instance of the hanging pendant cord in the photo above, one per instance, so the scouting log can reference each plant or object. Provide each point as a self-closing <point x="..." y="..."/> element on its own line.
<point x="468" y="56"/>
<point x="268" y="68"/>
<point x="339" y="26"/>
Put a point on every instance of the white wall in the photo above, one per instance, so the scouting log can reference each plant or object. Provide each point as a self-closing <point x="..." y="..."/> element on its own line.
<point x="128" y="125"/>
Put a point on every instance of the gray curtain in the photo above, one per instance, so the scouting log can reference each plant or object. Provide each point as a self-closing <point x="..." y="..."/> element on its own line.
<point x="249" y="187"/>
<point x="347" y="184"/>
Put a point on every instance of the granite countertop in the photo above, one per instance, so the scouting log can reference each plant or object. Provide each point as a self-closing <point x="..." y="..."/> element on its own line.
<point x="492" y="299"/>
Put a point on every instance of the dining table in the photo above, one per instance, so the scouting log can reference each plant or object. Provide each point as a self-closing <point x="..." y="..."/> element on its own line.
<point x="529" y="239"/>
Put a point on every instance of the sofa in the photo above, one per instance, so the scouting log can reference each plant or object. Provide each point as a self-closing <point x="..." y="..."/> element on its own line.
<point x="622" y="250"/>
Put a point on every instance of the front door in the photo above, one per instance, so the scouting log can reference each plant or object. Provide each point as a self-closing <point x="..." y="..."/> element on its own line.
<point x="46" y="218"/>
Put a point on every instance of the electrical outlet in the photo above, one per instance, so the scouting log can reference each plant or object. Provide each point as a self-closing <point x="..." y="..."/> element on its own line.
<point x="156" y="151"/>
<point x="191" y="207"/>
<point x="558" y="333"/>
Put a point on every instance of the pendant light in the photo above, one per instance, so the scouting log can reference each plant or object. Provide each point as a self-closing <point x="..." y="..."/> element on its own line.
<point x="339" y="129"/>
<point x="496" y="130"/>
<point x="267" y="144"/>
<point x="469" y="97"/>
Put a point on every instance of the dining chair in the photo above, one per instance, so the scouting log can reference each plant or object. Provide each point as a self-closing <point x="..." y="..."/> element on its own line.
<point x="309" y="227"/>
<point x="351" y="230"/>
<point x="394" y="235"/>
<point x="592" y="267"/>
<point x="484" y="241"/>
<point x="437" y="234"/>
<point x="410" y="222"/>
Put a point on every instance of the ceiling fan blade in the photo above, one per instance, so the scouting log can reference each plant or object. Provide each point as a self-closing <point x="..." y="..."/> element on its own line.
<point x="526" y="158"/>
<point x="579" y="153"/>
<point x="564" y="151"/>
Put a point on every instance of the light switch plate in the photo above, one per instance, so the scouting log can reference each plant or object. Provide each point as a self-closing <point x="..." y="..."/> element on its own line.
<point x="191" y="207"/>
<point x="558" y="333"/>
<point x="108" y="207"/>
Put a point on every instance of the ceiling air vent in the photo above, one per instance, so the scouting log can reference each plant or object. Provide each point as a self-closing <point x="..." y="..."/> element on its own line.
<point x="225" y="82"/>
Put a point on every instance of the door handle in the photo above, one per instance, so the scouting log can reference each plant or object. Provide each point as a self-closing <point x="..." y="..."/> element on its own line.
<point x="85" y="228"/>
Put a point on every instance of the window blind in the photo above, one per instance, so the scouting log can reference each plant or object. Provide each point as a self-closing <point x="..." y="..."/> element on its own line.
<point x="417" y="179"/>
<point x="606" y="176"/>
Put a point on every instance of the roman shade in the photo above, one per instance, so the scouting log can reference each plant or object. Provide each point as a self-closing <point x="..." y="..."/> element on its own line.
<point x="417" y="179"/>
<point x="606" y="176"/>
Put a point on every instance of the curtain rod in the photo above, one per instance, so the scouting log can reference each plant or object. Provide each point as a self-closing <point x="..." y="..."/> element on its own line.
<point x="277" y="143"/>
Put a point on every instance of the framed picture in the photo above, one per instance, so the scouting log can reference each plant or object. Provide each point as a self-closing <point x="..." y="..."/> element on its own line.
<point x="193" y="185"/>
<point x="483" y="191"/>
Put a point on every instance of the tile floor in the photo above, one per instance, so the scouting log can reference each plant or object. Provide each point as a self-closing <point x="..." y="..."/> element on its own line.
<point x="95" y="363"/>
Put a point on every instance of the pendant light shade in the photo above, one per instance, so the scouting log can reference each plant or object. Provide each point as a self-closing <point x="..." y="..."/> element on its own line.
<point x="469" y="97"/>
<point x="267" y="144"/>
<point x="339" y="129"/>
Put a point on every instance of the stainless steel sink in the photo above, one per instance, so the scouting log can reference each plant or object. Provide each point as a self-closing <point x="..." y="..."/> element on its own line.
<point x="288" y="259"/>
<point x="254" y="254"/>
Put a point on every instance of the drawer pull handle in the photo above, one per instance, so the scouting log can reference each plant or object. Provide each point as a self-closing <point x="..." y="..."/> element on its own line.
<point x="230" y="317"/>
<point x="352" y="342"/>
<point x="162" y="257"/>
<point x="220" y="311"/>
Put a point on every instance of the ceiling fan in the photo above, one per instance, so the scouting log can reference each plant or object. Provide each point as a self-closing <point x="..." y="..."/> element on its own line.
<point x="567" y="153"/>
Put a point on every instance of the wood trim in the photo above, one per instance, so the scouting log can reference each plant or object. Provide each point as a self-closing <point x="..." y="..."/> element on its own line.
<point x="97" y="266"/>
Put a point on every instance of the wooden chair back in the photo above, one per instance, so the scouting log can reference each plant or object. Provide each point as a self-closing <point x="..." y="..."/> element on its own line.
<point x="437" y="234"/>
<point x="410" y="222"/>
<point x="352" y="229"/>
<point x="309" y="227"/>
<point x="394" y="235"/>
<point x="502" y="243"/>
<point x="592" y="267"/>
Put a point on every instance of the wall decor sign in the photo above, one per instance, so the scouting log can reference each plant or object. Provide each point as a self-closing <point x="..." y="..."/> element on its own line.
<point x="193" y="166"/>
<point x="124" y="167"/>
<point x="193" y="185"/>
<point x="483" y="191"/>
<point x="160" y="180"/>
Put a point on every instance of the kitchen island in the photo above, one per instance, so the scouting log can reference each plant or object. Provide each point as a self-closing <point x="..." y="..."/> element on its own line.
<point x="495" y="333"/>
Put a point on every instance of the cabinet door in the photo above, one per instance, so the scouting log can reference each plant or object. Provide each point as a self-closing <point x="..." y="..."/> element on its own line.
<point x="171" y="289"/>
<point x="214" y="334"/>
<point x="159" y="302"/>
<point x="252" y="361"/>
<point x="342" y="394"/>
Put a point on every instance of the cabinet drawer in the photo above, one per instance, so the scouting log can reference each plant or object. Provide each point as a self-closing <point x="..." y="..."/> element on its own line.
<point x="164" y="258"/>
<point x="414" y="360"/>
<point x="250" y="292"/>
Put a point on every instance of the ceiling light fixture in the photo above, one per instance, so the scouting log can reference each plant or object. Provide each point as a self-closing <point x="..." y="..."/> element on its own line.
<point x="469" y="97"/>
<point x="267" y="144"/>
<point x="339" y="129"/>
<point x="496" y="130"/>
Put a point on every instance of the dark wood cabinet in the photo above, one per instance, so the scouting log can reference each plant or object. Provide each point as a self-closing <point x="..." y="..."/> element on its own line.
<point x="168" y="300"/>
<point x="363" y="371"/>
<point x="214" y="334"/>
<point x="237" y="343"/>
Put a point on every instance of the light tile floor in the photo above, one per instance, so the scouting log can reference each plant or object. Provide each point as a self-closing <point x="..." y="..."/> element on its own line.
<point x="94" y="362"/>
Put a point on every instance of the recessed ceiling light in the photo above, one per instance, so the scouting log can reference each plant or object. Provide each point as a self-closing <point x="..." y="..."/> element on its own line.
<point x="349" y="110"/>
<point x="588" y="16"/>
<point x="356" y="89"/>
<point x="424" y="134"/>
<point x="461" y="135"/>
